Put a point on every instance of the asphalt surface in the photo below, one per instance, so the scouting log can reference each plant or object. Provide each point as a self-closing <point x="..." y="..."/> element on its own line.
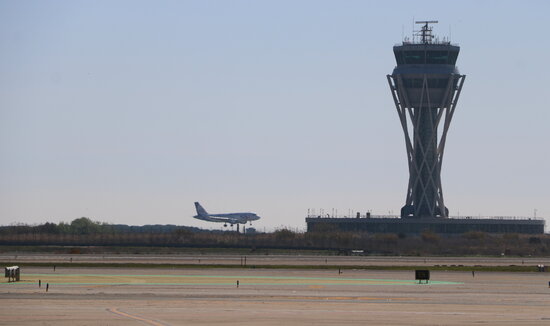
<point x="197" y="296"/>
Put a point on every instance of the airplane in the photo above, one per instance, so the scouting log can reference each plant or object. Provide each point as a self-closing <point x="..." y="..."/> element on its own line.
<point x="231" y="218"/>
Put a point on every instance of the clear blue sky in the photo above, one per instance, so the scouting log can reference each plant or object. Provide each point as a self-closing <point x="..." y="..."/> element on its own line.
<point x="129" y="111"/>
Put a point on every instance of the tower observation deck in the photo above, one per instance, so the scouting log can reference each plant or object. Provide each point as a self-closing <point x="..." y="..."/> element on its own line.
<point x="425" y="86"/>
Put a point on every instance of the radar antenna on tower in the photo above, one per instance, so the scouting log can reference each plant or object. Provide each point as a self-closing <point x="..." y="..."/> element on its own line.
<point x="425" y="32"/>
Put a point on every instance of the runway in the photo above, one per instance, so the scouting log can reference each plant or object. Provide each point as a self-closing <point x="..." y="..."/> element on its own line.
<point x="205" y="280"/>
<point x="271" y="259"/>
<point x="199" y="296"/>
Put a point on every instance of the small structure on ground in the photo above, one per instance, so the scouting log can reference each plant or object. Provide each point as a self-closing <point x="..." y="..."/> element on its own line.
<point x="422" y="275"/>
<point x="13" y="273"/>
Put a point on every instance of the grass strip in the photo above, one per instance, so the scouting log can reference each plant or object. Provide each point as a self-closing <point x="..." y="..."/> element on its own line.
<point x="478" y="268"/>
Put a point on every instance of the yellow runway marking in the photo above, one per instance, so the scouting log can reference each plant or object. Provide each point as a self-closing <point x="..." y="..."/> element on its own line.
<point x="316" y="287"/>
<point x="123" y="314"/>
<point x="322" y="298"/>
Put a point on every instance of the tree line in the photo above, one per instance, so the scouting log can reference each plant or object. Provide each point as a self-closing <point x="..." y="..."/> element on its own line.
<point x="85" y="232"/>
<point x="84" y="225"/>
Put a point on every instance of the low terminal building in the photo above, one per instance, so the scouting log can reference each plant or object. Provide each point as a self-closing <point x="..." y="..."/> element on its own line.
<point x="419" y="225"/>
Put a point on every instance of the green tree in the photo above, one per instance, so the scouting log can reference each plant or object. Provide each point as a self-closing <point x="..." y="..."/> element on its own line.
<point x="284" y="234"/>
<point x="84" y="225"/>
<point x="48" y="228"/>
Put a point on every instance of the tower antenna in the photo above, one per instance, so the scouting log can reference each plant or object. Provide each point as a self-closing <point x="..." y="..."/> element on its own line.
<point x="425" y="32"/>
<point x="412" y="29"/>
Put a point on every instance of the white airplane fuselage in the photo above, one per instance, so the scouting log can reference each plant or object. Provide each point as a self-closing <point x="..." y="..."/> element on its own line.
<point x="231" y="218"/>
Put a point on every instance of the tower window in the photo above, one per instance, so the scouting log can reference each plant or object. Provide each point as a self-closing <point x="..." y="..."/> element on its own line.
<point x="399" y="57"/>
<point x="414" y="57"/>
<point x="452" y="57"/>
<point x="437" y="57"/>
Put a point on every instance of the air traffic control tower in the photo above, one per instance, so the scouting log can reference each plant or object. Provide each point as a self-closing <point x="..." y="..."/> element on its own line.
<point x="425" y="86"/>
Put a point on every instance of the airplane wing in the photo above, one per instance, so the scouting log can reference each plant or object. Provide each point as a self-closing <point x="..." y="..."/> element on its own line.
<point x="216" y="219"/>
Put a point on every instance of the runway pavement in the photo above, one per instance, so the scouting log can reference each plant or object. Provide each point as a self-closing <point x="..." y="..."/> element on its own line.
<point x="198" y="296"/>
<point x="231" y="259"/>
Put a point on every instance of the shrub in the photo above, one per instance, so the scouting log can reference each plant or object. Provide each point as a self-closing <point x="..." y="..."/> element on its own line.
<point x="430" y="236"/>
<point x="511" y="236"/>
<point x="386" y="238"/>
<point x="474" y="235"/>
<point x="284" y="234"/>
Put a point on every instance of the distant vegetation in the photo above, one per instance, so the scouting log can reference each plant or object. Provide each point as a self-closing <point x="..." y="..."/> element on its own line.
<point x="84" y="225"/>
<point x="84" y="232"/>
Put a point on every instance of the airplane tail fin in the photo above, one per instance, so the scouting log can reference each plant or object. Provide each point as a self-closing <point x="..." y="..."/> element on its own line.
<point x="200" y="210"/>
